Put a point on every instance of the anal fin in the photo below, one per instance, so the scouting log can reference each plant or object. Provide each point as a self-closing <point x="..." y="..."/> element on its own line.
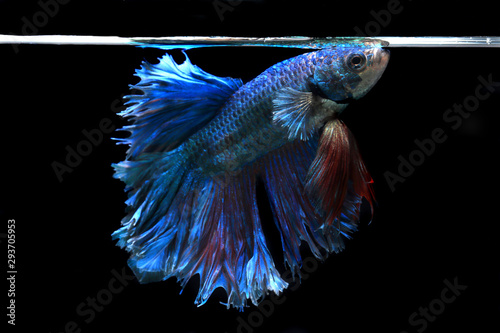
<point x="284" y="171"/>
<point x="198" y="225"/>
<point x="316" y="191"/>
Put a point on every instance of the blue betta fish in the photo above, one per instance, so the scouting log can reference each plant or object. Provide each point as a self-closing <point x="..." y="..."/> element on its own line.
<point x="197" y="145"/>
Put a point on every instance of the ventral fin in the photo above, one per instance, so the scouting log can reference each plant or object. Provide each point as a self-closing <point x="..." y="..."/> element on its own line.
<point x="337" y="167"/>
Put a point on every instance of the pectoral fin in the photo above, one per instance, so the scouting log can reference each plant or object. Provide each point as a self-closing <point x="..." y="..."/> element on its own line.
<point x="293" y="109"/>
<point x="302" y="112"/>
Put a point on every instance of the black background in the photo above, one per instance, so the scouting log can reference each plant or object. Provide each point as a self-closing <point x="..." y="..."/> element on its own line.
<point x="441" y="223"/>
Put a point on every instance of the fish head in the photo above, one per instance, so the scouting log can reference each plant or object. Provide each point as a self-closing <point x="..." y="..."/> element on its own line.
<point x="349" y="72"/>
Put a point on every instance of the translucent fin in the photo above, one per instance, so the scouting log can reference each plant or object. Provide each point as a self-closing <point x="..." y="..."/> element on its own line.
<point x="152" y="182"/>
<point x="337" y="166"/>
<point x="181" y="224"/>
<point x="298" y="217"/>
<point x="177" y="101"/>
<point x="294" y="110"/>
<point x="284" y="172"/>
<point x="230" y="249"/>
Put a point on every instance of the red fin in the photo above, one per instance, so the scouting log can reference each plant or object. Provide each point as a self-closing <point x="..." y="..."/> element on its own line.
<point x="337" y="164"/>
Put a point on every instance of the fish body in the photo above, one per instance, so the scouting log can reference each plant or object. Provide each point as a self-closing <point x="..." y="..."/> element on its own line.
<point x="244" y="129"/>
<point x="198" y="144"/>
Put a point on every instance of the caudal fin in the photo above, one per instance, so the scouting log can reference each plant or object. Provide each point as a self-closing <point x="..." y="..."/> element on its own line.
<point x="182" y="223"/>
<point x="179" y="221"/>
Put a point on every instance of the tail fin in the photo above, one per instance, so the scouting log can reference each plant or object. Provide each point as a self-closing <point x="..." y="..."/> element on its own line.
<point x="182" y="224"/>
<point x="230" y="249"/>
<point x="152" y="182"/>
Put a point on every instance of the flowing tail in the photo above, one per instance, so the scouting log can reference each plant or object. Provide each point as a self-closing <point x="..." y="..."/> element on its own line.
<point x="182" y="224"/>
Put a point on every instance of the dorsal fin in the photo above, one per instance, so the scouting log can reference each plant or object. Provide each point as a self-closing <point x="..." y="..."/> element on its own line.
<point x="177" y="101"/>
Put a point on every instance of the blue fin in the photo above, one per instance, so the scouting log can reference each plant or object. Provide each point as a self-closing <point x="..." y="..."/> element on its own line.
<point x="177" y="101"/>
<point x="179" y="221"/>
<point x="182" y="223"/>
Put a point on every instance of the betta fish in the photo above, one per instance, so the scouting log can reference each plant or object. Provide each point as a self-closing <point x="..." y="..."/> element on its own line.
<point x="199" y="143"/>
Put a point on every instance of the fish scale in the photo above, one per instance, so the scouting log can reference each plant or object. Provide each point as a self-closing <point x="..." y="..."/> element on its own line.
<point x="247" y="115"/>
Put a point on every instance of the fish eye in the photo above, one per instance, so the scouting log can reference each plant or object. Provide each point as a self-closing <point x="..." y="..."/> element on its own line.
<point x="356" y="61"/>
